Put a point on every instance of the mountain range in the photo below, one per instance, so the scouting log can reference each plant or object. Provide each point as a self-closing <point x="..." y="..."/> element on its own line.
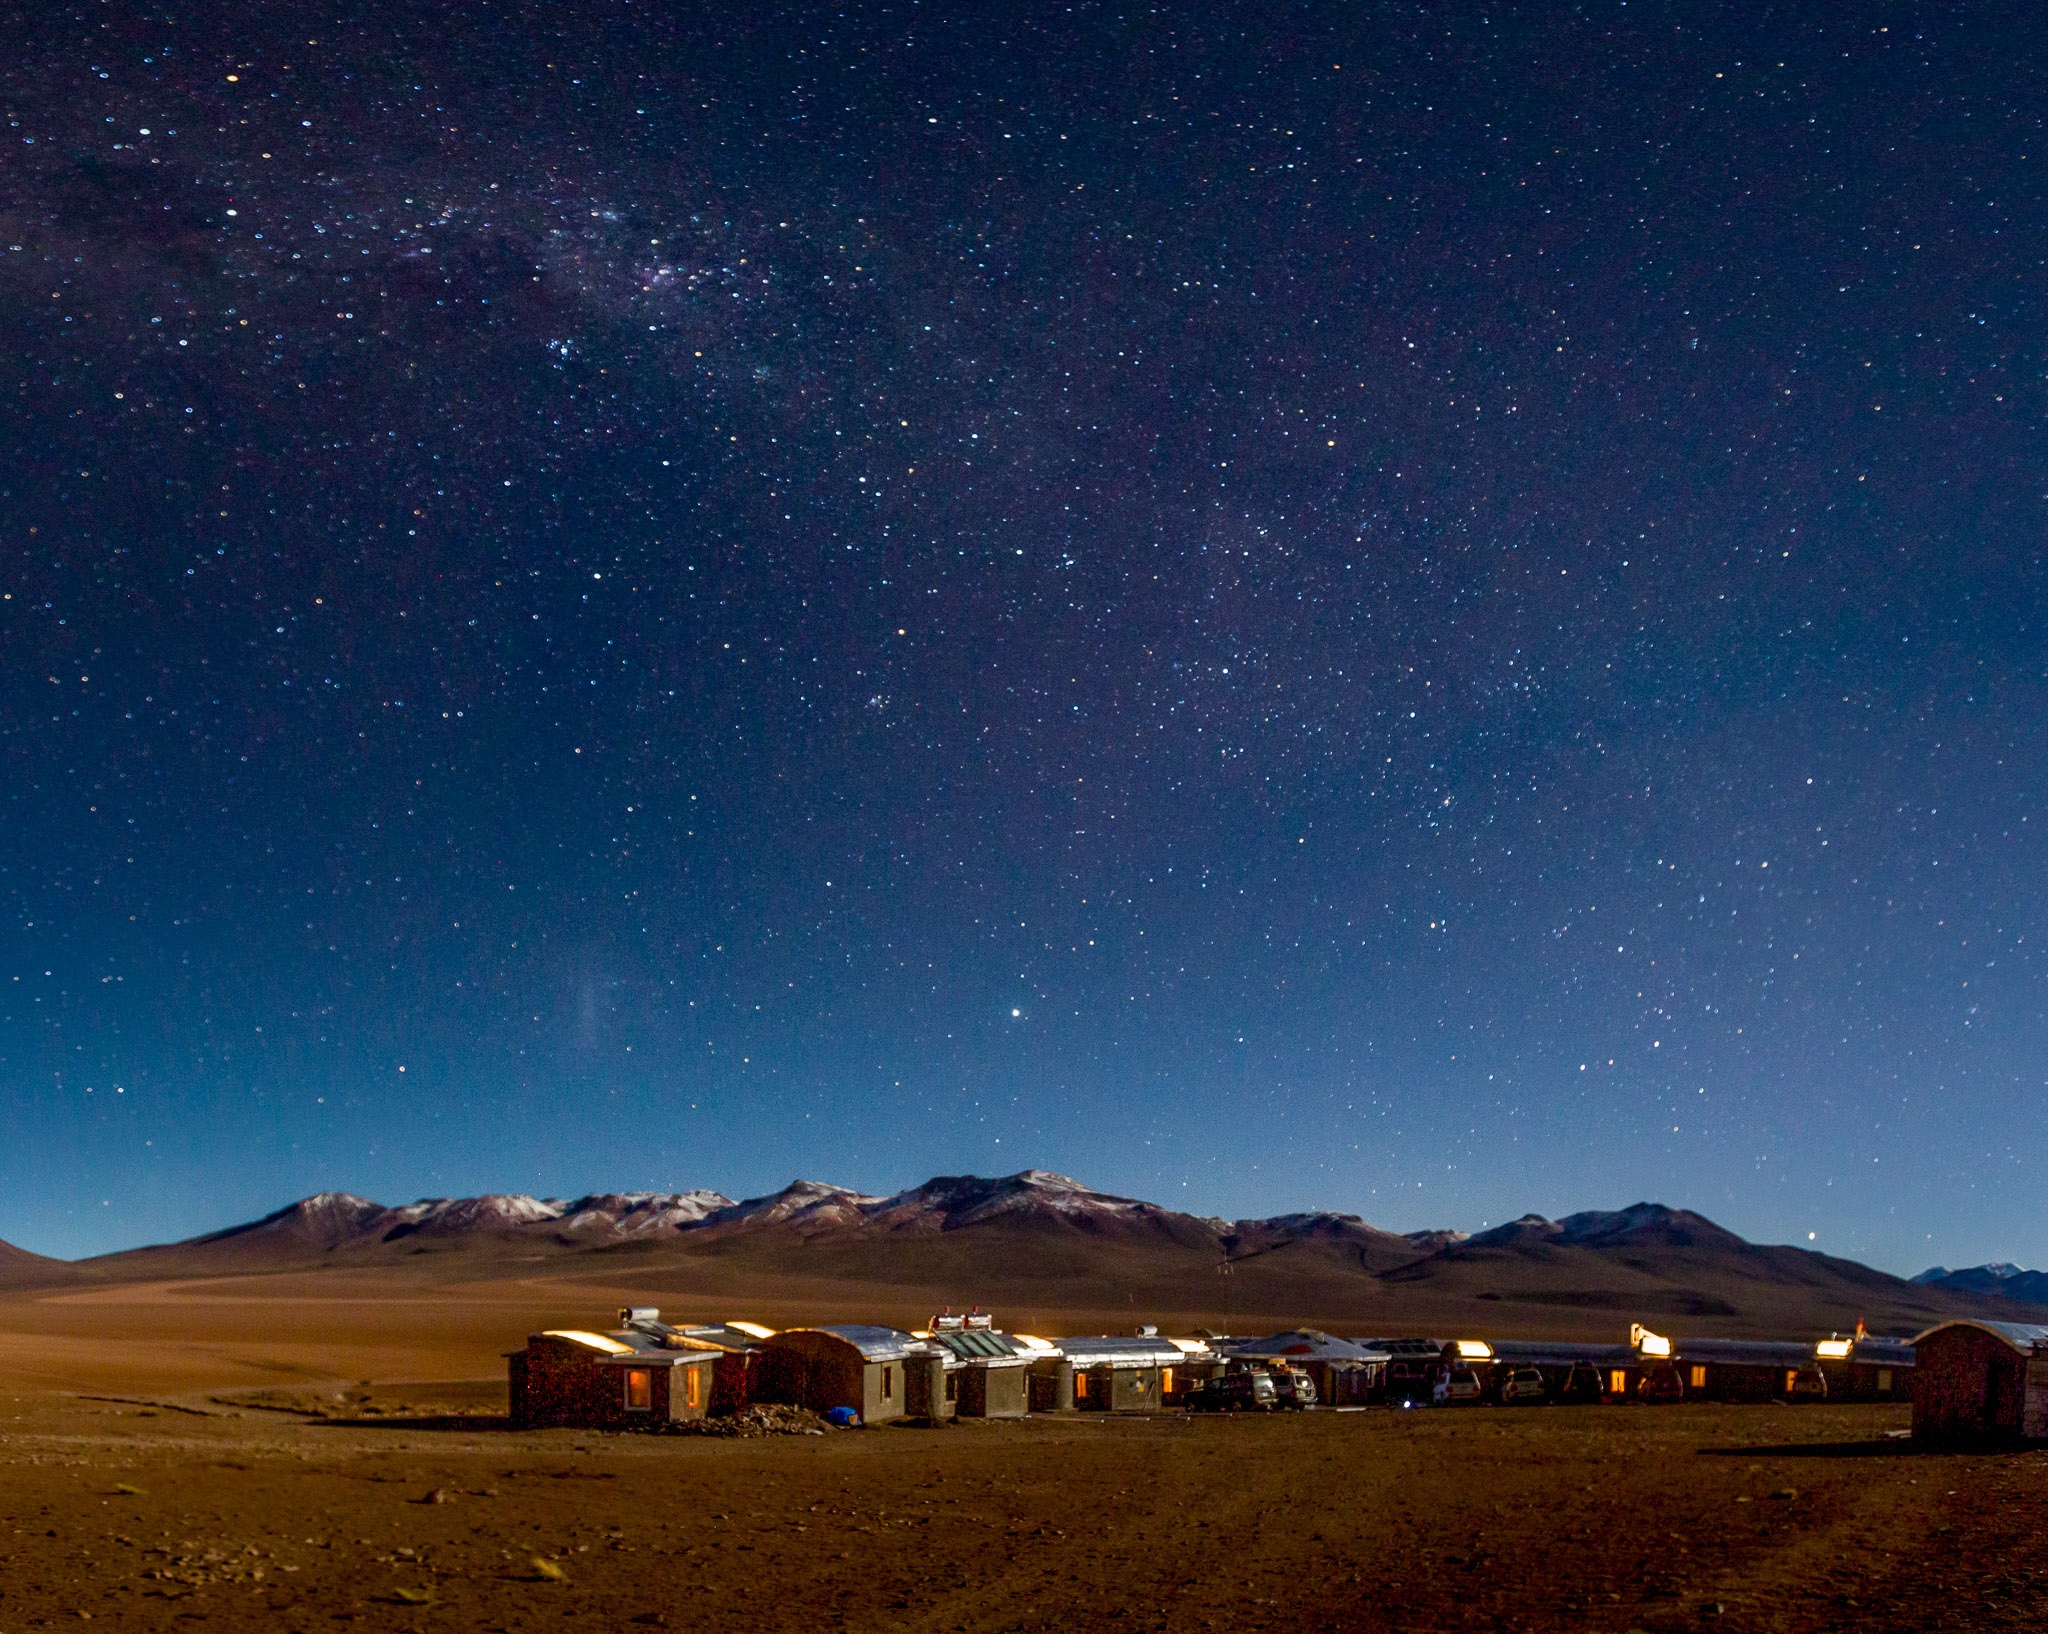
<point x="338" y="1225"/>
<point x="1040" y="1241"/>
<point x="2001" y="1278"/>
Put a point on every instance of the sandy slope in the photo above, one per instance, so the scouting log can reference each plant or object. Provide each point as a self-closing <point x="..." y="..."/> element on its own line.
<point x="454" y="1320"/>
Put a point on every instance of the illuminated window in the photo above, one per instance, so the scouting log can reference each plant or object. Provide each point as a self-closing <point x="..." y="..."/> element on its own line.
<point x="888" y="1383"/>
<point x="1617" y="1383"/>
<point x="639" y="1389"/>
<point x="1884" y="1379"/>
<point x="693" y="1392"/>
<point x="1080" y="1387"/>
<point x="1791" y="1379"/>
<point x="1699" y="1378"/>
<point x="1166" y="1381"/>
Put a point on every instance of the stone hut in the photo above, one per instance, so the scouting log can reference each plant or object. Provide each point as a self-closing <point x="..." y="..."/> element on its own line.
<point x="989" y="1375"/>
<point x="624" y="1380"/>
<point x="850" y="1365"/>
<point x="1975" y="1380"/>
<point x="736" y="1347"/>
<point x="1111" y="1374"/>
<point x="1866" y="1369"/>
<point x="1752" y="1370"/>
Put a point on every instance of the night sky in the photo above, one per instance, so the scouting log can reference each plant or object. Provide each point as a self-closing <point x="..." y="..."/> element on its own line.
<point x="1432" y="610"/>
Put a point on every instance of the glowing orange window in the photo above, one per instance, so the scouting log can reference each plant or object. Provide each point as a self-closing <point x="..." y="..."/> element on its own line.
<point x="639" y="1389"/>
<point x="1699" y="1378"/>
<point x="693" y="1392"/>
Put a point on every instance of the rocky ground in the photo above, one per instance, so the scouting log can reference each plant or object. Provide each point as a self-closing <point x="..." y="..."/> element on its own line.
<point x="414" y="1508"/>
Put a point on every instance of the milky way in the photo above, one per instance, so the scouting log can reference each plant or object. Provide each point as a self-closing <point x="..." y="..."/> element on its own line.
<point x="1431" y="611"/>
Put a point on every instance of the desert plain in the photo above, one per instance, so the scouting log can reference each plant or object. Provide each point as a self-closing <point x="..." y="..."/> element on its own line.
<point x="300" y="1452"/>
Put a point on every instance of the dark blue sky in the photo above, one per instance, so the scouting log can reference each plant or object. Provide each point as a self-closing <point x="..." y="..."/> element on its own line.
<point x="1434" y="611"/>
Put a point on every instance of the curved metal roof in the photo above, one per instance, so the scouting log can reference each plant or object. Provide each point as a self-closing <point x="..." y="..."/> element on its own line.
<point x="1113" y="1350"/>
<point x="2022" y="1336"/>
<point x="874" y="1343"/>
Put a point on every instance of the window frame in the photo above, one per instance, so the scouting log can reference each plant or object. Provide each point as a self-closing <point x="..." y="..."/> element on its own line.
<point x="640" y="1382"/>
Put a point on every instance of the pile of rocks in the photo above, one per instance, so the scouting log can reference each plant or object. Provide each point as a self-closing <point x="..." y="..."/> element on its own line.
<point x="763" y="1418"/>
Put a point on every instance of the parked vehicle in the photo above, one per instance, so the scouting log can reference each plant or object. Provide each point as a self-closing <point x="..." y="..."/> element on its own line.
<point x="1409" y="1383"/>
<point x="1660" y="1384"/>
<point x="1456" y="1387"/>
<point x="1808" y="1384"/>
<point x="1292" y="1388"/>
<point x="1583" y="1384"/>
<point x="1524" y="1384"/>
<point x="1245" y="1392"/>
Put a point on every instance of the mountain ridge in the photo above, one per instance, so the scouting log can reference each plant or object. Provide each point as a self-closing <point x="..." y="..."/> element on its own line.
<point x="2000" y="1278"/>
<point x="808" y="1210"/>
<point x="1036" y="1238"/>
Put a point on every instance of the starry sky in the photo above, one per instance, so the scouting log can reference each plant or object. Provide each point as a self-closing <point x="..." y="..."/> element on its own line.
<point x="1431" y="610"/>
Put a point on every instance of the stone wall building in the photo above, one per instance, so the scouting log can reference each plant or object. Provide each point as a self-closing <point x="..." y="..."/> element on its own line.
<point x="848" y="1365"/>
<point x="626" y="1380"/>
<point x="1981" y="1381"/>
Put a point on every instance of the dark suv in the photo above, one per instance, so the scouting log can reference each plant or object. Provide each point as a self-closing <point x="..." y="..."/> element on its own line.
<point x="1234" y="1393"/>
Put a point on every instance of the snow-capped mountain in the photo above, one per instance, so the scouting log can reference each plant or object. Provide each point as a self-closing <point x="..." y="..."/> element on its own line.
<point x="1037" y="1217"/>
<point x="333" y="1223"/>
<point x="809" y="1209"/>
<point x="632" y="1213"/>
<point x="1037" y="1196"/>
<point x="323" y="1221"/>
<point x="1996" y="1271"/>
<point x="460" y="1216"/>
<point x="334" y="1220"/>
<point x="2001" y="1278"/>
<point x="804" y="1207"/>
<point x="1043" y="1240"/>
<point x="1019" y="1236"/>
<point x="1428" y="1242"/>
